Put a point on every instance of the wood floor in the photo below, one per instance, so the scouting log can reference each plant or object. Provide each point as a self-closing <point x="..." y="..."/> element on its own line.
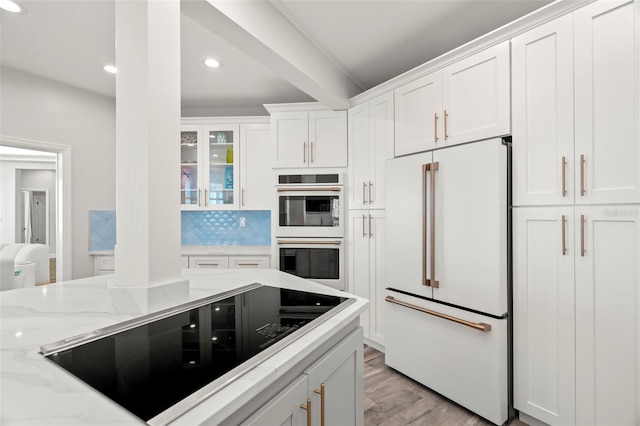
<point x="392" y="399"/>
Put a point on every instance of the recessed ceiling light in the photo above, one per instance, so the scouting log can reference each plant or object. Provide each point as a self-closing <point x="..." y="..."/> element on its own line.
<point x="212" y="63"/>
<point x="108" y="68"/>
<point x="10" y="6"/>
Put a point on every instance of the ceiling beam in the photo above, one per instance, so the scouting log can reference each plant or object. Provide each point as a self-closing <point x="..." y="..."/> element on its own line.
<point x="259" y="30"/>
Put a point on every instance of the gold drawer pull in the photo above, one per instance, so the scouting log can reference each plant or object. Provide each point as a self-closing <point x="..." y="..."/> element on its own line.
<point x="331" y="242"/>
<point x="476" y="326"/>
<point x="333" y="189"/>
<point x="307" y="408"/>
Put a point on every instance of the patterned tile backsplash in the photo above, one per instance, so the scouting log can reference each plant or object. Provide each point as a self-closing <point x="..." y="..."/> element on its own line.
<point x="198" y="228"/>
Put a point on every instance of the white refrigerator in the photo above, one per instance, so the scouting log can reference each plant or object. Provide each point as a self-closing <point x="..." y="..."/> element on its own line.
<point x="448" y="273"/>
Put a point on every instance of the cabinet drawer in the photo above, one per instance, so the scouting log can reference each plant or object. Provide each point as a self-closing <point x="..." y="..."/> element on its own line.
<point x="249" y="261"/>
<point x="105" y="263"/>
<point x="208" y="262"/>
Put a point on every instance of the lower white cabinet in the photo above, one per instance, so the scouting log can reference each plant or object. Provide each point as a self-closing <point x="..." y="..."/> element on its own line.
<point x="209" y="261"/>
<point x="367" y="268"/>
<point x="330" y="391"/>
<point x="576" y="310"/>
<point x="104" y="264"/>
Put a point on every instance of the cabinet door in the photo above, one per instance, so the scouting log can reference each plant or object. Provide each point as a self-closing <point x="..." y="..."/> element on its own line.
<point x="476" y="96"/>
<point x="381" y="147"/>
<point x="544" y="313"/>
<point x="377" y="274"/>
<point x="606" y="108"/>
<point x="542" y="74"/>
<point x="327" y="145"/>
<point x="607" y="312"/>
<point x="256" y="186"/>
<point x="359" y="270"/>
<point x="337" y="378"/>
<point x="418" y="107"/>
<point x="358" y="140"/>
<point x="289" y="139"/>
<point x="220" y="167"/>
<point x="284" y="409"/>
<point x="191" y="152"/>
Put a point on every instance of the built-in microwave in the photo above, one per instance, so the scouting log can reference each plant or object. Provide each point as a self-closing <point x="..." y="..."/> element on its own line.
<point x="309" y="205"/>
<point x="318" y="259"/>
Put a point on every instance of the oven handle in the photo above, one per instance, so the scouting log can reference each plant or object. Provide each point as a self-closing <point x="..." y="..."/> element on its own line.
<point x="298" y="189"/>
<point x="330" y="242"/>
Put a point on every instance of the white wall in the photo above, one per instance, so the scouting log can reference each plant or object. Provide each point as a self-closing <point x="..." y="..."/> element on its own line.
<point x="39" y="109"/>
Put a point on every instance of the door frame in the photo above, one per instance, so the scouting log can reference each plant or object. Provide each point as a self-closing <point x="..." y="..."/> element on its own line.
<point x="63" y="198"/>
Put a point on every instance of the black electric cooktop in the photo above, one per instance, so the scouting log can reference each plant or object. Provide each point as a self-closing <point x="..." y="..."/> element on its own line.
<point x="151" y="364"/>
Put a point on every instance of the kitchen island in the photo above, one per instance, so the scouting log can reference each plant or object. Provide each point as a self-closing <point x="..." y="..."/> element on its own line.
<point x="35" y="391"/>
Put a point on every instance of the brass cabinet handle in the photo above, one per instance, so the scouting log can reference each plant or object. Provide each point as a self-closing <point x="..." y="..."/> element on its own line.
<point x="475" y="325"/>
<point x="582" y="222"/>
<point x="321" y="392"/>
<point x="207" y="264"/>
<point x="248" y="264"/>
<point x="564" y="237"/>
<point x="370" y="233"/>
<point x="311" y="152"/>
<point x="446" y="135"/>
<point x="307" y="408"/>
<point x="364" y="234"/>
<point x="304" y="152"/>
<point x="331" y="242"/>
<point x="435" y="126"/>
<point x="332" y="189"/>
<point x="364" y="192"/>
<point x="199" y="198"/>
<point x="370" y="197"/>
<point x="564" y="176"/>
<point x="206" y="197"/>
<point x="582" y="190"/>
<point x="242" y="197"/>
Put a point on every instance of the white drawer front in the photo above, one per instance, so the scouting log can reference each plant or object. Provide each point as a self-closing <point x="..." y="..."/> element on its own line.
<point x="208" y="262"/>
<point x="249" y="261"/>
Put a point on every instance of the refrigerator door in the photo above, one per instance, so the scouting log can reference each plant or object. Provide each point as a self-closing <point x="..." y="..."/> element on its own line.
<point x="405" y="208"/>
<point x="471" y="209"/>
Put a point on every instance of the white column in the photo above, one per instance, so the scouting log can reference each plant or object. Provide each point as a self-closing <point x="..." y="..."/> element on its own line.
<point x="147" y="155"/>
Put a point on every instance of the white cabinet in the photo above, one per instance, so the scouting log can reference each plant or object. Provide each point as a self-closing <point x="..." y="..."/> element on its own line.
<point x="574" y="113"/>
<point x="314" y="138"/>
<point x="576" y="334"/>
<point x="104" y="264"/>
<point x="238" y="261"/>
<point x="367" y="268"/>
<point x="208" y="166"/>
<point x="370" y="145"/>
<point x="465" y="101"/>
<point x="328" y="392"/>
<point x="255" y="167"/>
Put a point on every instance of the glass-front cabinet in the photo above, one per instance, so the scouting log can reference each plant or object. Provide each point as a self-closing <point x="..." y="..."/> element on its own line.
<point x="208" y="172"/>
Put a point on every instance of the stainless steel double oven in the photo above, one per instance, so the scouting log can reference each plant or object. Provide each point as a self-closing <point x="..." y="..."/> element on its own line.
<point x="309" y="226"/>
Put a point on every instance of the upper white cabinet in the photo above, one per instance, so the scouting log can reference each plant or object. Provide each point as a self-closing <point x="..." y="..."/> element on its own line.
<point x="370" y="145"/>
<point x="255" y="167"/>
<point x="208" y="166"/>
<point x="574" y="112"/>
<point x="465" y="101"/>
<point x="313" y="138"/>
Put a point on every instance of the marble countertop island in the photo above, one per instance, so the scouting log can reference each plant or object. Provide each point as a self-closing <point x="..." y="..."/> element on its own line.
<point x="35" y="391"/>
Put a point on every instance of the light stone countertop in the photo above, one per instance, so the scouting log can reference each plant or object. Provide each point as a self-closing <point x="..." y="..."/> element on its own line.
<point x="35" y="391"/>
<point x="210" y="251"/>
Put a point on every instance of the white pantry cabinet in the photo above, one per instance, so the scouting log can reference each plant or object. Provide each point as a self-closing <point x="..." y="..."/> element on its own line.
<point x="370" y="145"/>
<point x="574" y="112"/>
<point x="576" y="334"/>
<point x="255" y="167"/>
<point x="367" y="268"/>
<point x="308" y="138"/>
<point x="328" y="392"/>
<point x="209" y="166"/>
<point x="466" y="101"/>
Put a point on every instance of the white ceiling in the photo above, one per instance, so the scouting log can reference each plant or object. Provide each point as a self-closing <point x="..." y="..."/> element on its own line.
<point x="368" y="42"/>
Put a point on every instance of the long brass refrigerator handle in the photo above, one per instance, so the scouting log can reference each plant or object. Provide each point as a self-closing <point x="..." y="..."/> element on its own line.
<point x="425" y="281"/>
<point x="564" y="236"/>
<point x="435" y="126"/>
<point x="446" y="115"/>
<point x="582" y="222"/>
<point x="582" y="189"/>
<point x="481" y="326"/>
<point x="432" y="257"/>
<point x="564" y="176"/>
<point x="307" y="408"/>
<point x="321" y="392"/>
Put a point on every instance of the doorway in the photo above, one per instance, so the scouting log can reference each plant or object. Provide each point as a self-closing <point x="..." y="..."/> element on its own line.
<point x="34" y="217"/>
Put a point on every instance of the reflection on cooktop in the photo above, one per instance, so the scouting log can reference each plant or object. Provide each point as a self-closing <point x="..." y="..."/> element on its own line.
<point x="151" y="367"/>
